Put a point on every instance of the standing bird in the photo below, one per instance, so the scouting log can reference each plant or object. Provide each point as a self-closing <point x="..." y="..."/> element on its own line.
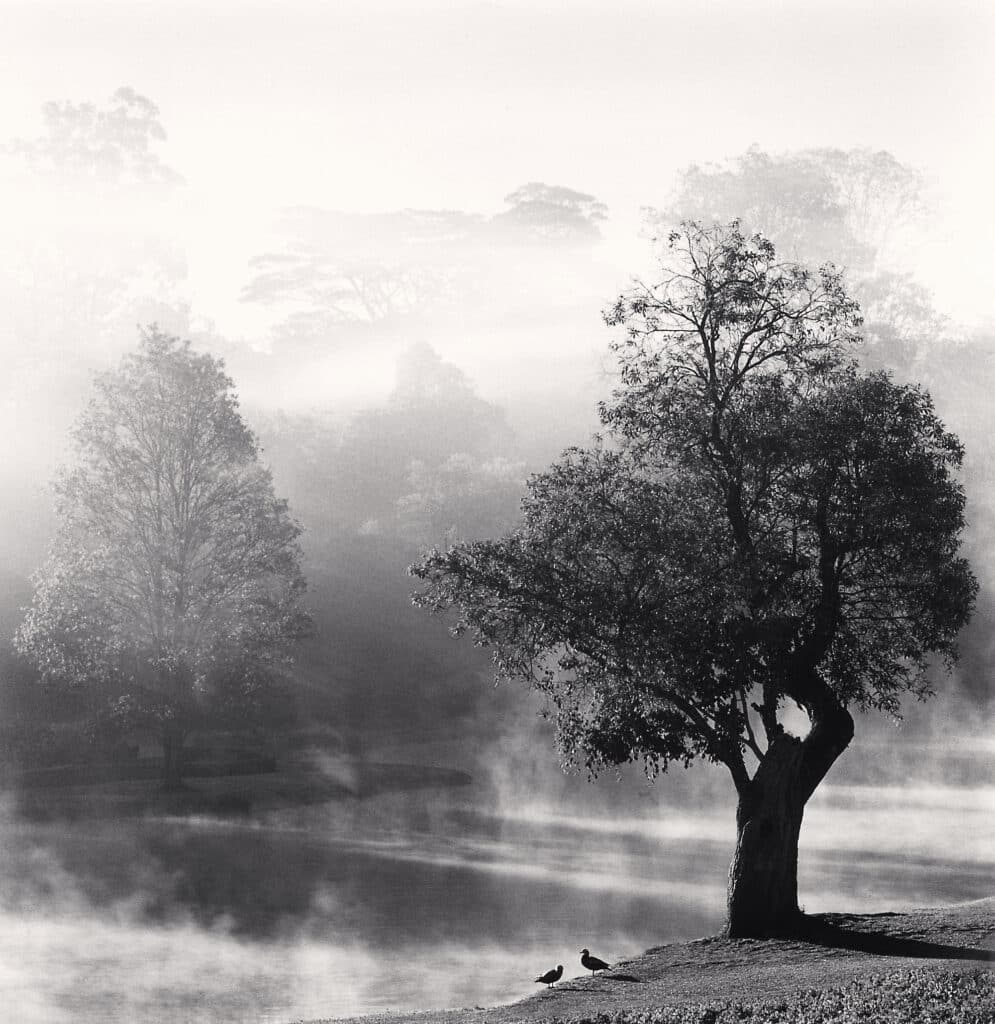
<point x="550" y="978"/>
<point x="592" y="963"/>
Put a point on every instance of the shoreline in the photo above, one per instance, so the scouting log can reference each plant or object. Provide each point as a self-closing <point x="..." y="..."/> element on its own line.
<point x="837" y="950"/>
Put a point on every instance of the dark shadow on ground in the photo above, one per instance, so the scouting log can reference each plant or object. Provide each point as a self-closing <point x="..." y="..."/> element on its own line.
<point x="821" y="930"/>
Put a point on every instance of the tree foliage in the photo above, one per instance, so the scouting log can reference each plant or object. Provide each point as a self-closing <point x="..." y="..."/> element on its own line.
<point x="337" y="270"/>
<point x="463" y="496"/>
<point x="173" y="560"/>
<point x="114" y="143"/>
<point x="854" y="207"/>
<point x="814" y="204"/>
<point x="433" y="413"/>
<point x="542" y="212"/>
<point x="766" y="524"/>
<point x="335" y="277"/>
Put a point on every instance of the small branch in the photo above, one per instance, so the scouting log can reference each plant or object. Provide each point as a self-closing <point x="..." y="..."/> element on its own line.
<point x="751" y="739"/>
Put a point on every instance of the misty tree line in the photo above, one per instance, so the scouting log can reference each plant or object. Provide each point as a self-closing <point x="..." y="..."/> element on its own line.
<point x="434" y="463"/>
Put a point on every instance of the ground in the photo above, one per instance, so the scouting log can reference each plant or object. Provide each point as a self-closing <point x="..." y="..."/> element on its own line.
<point x="837" y="950"/>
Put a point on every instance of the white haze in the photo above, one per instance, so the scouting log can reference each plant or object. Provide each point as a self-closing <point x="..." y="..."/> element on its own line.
<point x="373" y="106"/>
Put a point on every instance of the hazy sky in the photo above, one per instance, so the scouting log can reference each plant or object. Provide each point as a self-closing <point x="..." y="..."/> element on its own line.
<point x="372" y="105"/>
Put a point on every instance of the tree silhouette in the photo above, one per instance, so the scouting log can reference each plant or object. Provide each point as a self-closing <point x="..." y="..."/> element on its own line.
<point x="768" y="527"/>
<point x="543" y="212"/>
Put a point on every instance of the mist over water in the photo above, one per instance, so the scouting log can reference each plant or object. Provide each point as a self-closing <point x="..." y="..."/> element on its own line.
<point x="452" y="895"/>
<point x="399" y="225"/>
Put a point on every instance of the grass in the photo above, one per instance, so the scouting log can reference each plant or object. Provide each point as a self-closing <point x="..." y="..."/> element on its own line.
<point x="901" y="997"/>
<point x="917" y="966"/>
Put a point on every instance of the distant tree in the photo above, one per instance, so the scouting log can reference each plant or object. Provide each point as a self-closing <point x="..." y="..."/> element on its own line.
<point x="770" y="527"/>
<point x="338" y="270"/>
<point x="88" y="250"/>
<point x="113" y="143"/>
<point x="337" y="279"/>
<point x="174" y="561"/>
<point x="792" y="199"/>
<point x="463" y="497"/>
<point x="433" y="413"/>
<point x="879" y="195"/>
<point x="552" y="213"/>
<point x="848" y="206"/>
<point x="332" y="291"/>
<point x="814" y="204"/>
<point x="903" y="330"/>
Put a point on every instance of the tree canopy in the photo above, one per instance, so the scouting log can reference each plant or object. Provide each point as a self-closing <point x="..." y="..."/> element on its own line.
<point x="855" y="207"/>
<point x="114" y="143"/>
<point x="551" y="212"/>
<point x="814" y="204"/>
<point x="764" y="524"/>
<point x="174" y="564"/>
<point x="337" y="277"/>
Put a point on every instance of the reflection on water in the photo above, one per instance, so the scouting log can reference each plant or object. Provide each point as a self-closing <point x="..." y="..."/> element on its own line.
<point x="340" y="910"/>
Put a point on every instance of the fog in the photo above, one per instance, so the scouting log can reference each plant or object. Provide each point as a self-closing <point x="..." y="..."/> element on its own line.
<point x="399" y="225"/>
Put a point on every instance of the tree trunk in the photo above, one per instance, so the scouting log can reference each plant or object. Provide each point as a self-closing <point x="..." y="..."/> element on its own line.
<point x="172" y="758"/>
<point x="763" y="877"/>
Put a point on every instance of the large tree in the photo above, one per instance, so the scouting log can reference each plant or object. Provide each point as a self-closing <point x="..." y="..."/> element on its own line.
<point x="175" y="565"/>
<point x="766" y="526"/>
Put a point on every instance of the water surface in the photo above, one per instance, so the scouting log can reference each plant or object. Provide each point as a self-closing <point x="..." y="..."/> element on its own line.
<point x="421" y="899"/>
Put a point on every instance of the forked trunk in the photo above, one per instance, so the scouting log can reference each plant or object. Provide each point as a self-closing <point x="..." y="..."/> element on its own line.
<point x="763" y="877"/>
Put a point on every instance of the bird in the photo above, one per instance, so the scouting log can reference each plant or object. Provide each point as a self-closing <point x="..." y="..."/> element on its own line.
<point x="592" y="963"/>
<point x="550" y="978"/>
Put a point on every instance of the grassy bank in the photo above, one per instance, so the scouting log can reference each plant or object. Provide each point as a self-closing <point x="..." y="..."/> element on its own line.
<point x="902" y="997"/>
<point x="919" y="967"/>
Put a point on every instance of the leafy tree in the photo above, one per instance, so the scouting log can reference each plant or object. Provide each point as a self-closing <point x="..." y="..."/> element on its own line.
<point x="337" y="279"/>
<point x="850" y="206"/>
<point x="88" y="250"/>
<point x="879" y="195"/>
<point x="769" y="527"/>
<point x="432" y="413"/>
<point x="112" y="143"/>
<point x="174" y="560"/>
<point x="336" y="270"/>
<point x="814" y="204"/>
<point x="552" y="213"/>
<point x="791" y="199"/>
<point x="863" y="207"/>
<point x="462" y="497"/>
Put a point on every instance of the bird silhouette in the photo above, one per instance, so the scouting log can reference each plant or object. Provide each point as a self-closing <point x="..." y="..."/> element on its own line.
<point x="592" y="963"/>
<point x="550" y="978"/>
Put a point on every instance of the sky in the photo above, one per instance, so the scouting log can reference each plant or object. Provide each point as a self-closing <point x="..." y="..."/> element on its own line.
<point x="372" y="105"/>
<point x="380" y="105"/>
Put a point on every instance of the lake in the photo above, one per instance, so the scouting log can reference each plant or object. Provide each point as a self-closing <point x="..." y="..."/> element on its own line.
<point x="433" y="897"/>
